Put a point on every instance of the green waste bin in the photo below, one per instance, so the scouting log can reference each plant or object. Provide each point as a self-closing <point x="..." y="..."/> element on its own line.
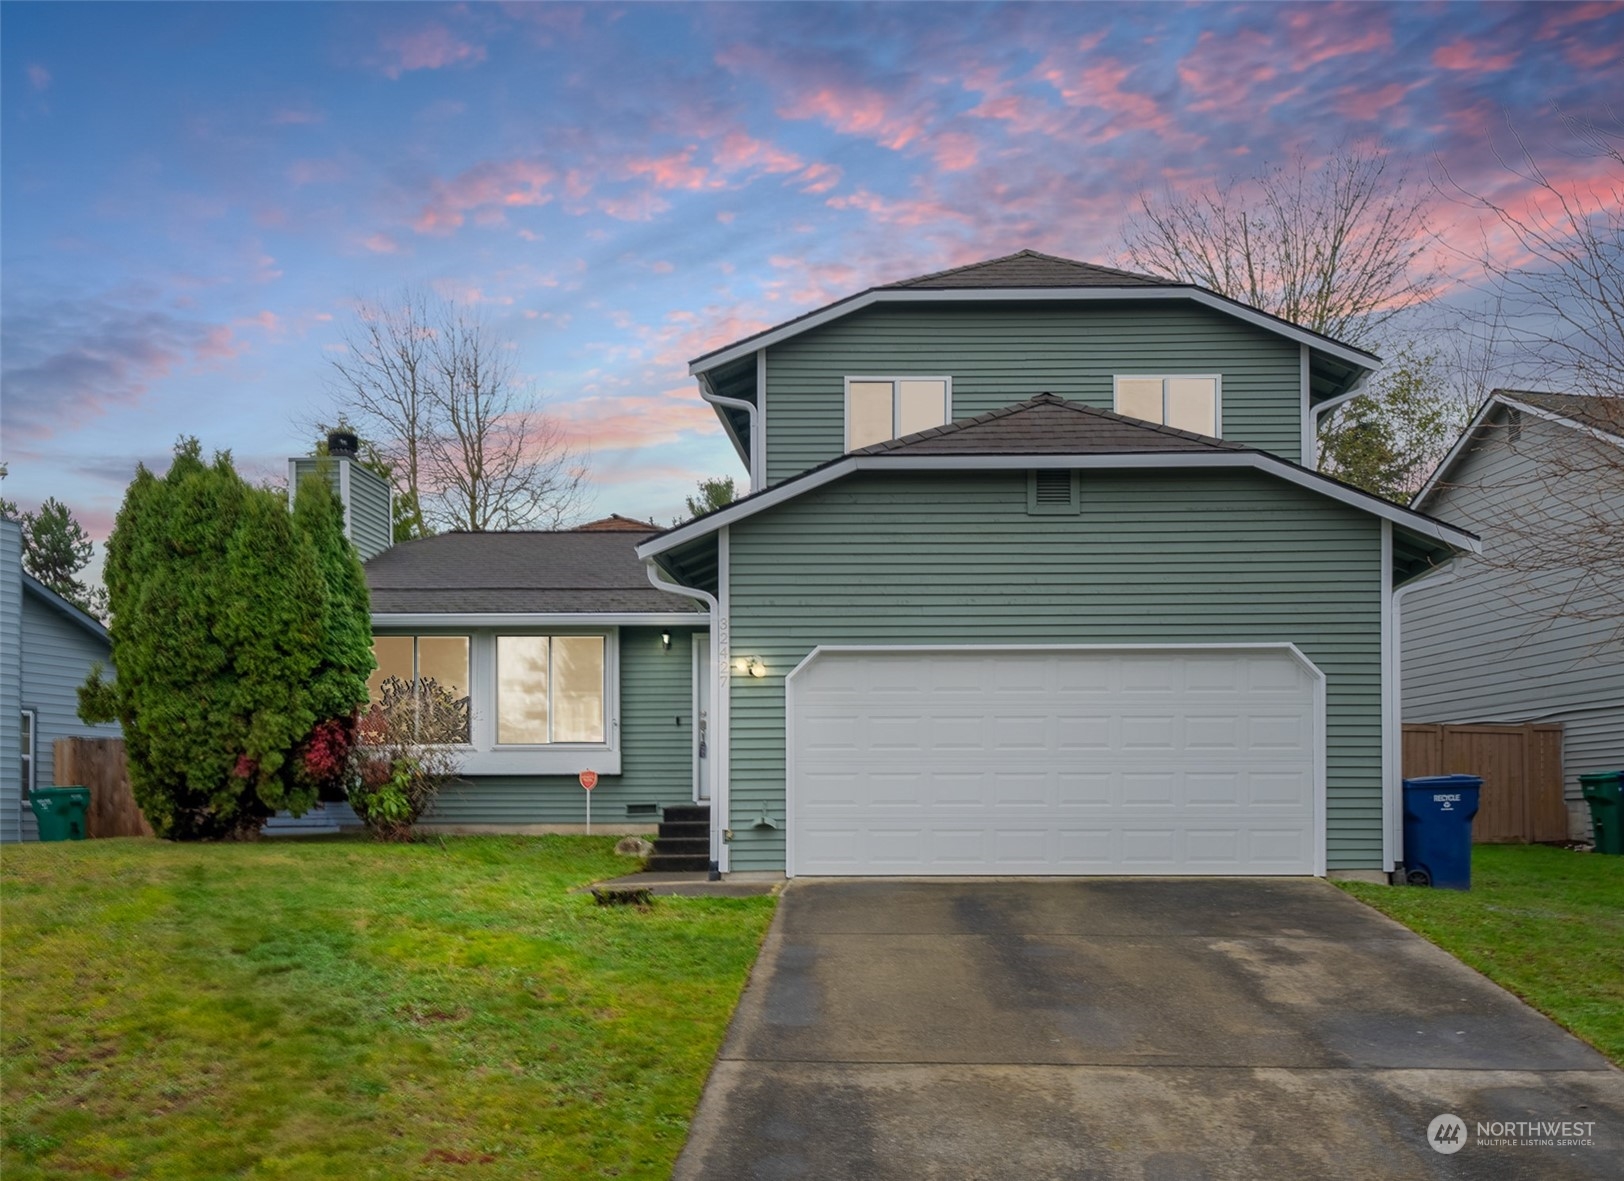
<point x="1602" y="790"/>
<point x="61" y="812"/>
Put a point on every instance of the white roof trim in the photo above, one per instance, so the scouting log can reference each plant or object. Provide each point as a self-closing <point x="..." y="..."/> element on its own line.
<point x="1158" y="461"/>
<point x="1447" y="464"/>
<point x="865" y="299"/>
<point x="538" y="619"/>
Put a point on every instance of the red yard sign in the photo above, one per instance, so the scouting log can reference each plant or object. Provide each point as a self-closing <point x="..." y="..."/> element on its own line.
<point x="589" y="779"/>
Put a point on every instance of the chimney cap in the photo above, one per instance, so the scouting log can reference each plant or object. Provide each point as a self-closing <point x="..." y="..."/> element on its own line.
<point x="342" y="444"/>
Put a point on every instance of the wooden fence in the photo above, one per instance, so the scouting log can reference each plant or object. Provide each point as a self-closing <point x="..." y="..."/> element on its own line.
<point x="98" y="763"/>
<point x="1521" y="769"/>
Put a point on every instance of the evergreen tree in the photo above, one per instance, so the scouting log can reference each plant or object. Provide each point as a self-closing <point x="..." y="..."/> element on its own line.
<point x="241" y="641"/>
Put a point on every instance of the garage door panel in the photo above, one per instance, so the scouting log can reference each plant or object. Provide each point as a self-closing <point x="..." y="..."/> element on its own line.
<point x="1054" y="762"/>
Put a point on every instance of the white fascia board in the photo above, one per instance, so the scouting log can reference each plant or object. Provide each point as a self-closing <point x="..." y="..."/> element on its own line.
<point x="857" y="303"/>
<point x="443" y="619"/>
<point x="1553" y="416"/>
<point x="1156" y="461"/>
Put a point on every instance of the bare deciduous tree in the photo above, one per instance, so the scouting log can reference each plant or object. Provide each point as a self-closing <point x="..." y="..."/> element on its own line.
<point x="1339" y="247"/>
<point x="438" y="394"/>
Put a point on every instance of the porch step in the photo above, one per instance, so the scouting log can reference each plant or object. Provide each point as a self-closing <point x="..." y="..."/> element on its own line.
<point x="683" y="843"/>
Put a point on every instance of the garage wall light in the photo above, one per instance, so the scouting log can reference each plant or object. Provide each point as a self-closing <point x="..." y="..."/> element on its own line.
<point x="665" y="639"/>
<point x="755" y="668"/>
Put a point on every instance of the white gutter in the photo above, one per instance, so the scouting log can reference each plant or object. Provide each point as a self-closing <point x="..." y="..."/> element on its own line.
<point x="753" y="460"/>
<point x="1393" y="704"/>
<point x="718" y="736"/>
<point x="388" y="619"/>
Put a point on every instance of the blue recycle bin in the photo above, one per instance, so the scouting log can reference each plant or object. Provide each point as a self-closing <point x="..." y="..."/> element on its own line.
<point x="1438" y="813"/>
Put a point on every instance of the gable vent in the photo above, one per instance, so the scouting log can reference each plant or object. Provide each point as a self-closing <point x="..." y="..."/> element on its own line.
<point x="1514" y="424"/>
<point x="1052" y="486"/>
<point x="1051" y="490"/>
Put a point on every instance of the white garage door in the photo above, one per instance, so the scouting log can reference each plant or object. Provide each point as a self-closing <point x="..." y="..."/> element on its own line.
<point x="1054" y="761"/>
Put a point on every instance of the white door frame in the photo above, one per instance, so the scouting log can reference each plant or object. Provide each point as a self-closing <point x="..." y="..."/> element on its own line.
<point x="1296" y="653"/>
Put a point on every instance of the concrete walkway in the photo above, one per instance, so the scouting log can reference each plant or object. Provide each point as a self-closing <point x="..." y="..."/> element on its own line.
<point x="1154" y="1029"/>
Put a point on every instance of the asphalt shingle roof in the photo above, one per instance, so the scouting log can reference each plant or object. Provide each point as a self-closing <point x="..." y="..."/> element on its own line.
<point x="1028" y="268"/>
<point x="1048" y="425"/>
<point x="1604" y="414"/>
<point x="570" y="571"/>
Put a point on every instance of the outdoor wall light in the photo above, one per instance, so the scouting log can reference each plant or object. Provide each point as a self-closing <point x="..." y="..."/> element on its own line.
<point x="755" y="668"/>
<point x="665" y="639"/>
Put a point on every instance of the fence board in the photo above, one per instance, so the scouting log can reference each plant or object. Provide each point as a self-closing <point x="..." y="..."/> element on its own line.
<point x="1521" y="769"/>
<point x="99" y="764"/>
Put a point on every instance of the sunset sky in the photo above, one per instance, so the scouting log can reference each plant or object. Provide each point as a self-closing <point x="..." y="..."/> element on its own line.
<point x="194" y="196"/>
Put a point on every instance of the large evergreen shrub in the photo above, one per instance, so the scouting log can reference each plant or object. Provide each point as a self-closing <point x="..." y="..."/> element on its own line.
<point x="242" y="644"/>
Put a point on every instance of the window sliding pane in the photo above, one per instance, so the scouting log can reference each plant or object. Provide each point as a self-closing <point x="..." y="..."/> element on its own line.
<point x="578" y="689"/>
<point x="868" y="414"/>
<point x="1192" y="404"/>
<point x="394" y="657"/>
<point x="445" y="658"/>
<point x="521" y="689"/>
<point x="1140" y="397"/>
<point x="920" y="405"/>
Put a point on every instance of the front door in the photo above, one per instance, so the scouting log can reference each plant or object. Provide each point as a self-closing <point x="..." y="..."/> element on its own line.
<point x="702" y="696"/>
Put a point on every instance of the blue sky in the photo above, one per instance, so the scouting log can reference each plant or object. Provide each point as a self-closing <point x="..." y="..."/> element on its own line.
<point x="194" y="196"/>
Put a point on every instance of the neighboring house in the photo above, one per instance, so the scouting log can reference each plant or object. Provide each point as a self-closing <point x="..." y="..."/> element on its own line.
<point x="570" y="659"/>
<point x="1036" y="578"/>
<point x="47" y="647"/>
<point x="1533" y="629"/>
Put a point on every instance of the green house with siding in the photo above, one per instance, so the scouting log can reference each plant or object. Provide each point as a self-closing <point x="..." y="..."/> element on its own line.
<point x="1035" y="577"/>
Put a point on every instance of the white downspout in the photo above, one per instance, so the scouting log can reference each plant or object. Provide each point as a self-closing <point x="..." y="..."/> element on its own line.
<point x="715" y="399"/>
<point x="719" y="737"/>
<point x="1393" y="727"/>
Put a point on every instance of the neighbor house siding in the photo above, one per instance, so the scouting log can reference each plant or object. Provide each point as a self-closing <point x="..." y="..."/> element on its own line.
<point x="1000" y="354"/>
<point x="1151" y="558"/>
<point x="1500" y="643"/>
<point x="11" y="674"/>
<point x="656" y="750"/>
<point x="56" y="657"/>
<point x="1591" y="741"/>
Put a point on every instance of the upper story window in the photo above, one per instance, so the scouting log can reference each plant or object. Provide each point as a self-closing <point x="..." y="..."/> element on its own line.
<point x="881" y="408"/>
<point x="1187" y="401"/>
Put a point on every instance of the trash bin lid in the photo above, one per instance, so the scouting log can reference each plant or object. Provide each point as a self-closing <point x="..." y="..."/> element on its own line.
<point x="1598" y="776"/>
<point x="1443" y="782"/>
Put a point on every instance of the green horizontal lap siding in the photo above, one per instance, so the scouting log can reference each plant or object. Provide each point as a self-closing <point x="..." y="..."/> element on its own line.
<point x="656" y="753"/>
<point x="371" y="519"/>
<point x="1151" y="558"/>
<point x="999" y="354"/>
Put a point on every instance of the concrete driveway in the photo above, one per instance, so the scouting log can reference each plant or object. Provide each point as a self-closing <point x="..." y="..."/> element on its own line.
<point x="1158" y="1029"/>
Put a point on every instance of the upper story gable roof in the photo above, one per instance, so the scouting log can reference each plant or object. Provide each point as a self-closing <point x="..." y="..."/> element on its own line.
<point x="1028" y="276"/>
<point x="1600" y="417"/>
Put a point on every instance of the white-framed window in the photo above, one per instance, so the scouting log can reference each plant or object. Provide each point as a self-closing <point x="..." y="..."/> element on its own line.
<point x="1189" y="401"/>
<point x="881" y="408"/>
<point x="30" y="725"/>
<point x="551" y="690"/>
<point x="412" y="658"/>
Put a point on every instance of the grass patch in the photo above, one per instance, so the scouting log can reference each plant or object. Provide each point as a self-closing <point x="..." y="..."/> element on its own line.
<point x="336" y="1008"/>
<point x="1544" y="923"/>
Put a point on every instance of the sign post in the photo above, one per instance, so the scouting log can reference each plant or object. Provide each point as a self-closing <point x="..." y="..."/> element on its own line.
<point x="589" y="780"/>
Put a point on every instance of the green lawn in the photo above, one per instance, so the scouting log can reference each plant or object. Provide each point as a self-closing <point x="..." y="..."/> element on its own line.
<point x="1545" y="923"/>
<point x="336" y="1008"/>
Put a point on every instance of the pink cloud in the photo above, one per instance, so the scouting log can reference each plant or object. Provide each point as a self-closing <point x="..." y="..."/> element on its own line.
<point x="675" y="170"/>
<point x="1464" y="55"/>
<point x="296" y="116"/>
<point x="1371" y="105"/>
<point x="1565" y="16"/>
<point x="739" y="152"/>
<point x="817" y="178"/>
<point x="306" y="172"/>
<point x="39" y="77"/>
<point x="431" y="47"/>
<point x="906" y="212"/>
<point x="1321" y="33"/>
<point x="494" y="183"/>
<point x="381" y="243"/>
<point x="857" y="110"/>
<point x="607" y="422"/>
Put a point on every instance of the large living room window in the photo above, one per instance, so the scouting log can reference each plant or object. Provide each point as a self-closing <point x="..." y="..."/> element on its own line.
<point x="550" y="689"/>
<point x="881" y="408"/>
<point x="1186" y="401"/>
<point x="412" y="658"/>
